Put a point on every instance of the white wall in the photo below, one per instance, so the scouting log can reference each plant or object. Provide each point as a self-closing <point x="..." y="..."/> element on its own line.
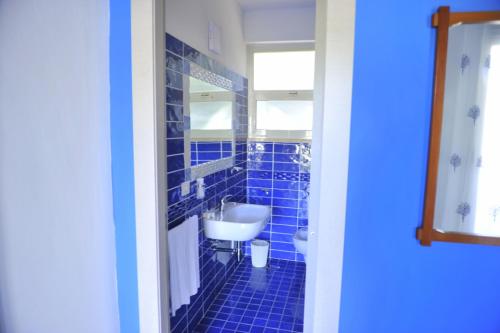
<point x="188" y="21"/>
<point x="290" y="24"/>
<point x="57" y="249"/>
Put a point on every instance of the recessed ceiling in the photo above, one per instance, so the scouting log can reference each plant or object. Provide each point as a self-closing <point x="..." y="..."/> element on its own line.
<point x="262" y="4"/>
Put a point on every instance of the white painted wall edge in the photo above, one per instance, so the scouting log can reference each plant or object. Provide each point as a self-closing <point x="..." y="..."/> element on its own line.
<point x="335" y="22"/>
<point x="148" y="96"/>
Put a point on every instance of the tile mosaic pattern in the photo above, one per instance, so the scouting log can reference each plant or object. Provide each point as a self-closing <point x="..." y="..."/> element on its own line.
<point x="216" y="268"/>
<point x="278" y="177"/>
<point x="259" y="300"/>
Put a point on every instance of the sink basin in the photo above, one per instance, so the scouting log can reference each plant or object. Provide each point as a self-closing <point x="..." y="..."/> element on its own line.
<point x="238" y="222"/>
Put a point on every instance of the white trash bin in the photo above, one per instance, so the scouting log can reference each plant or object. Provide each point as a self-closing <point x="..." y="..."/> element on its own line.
<point x="260" y="250"/>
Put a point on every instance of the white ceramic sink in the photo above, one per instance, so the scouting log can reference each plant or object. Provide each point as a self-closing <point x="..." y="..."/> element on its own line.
<point x="238" y="222"/>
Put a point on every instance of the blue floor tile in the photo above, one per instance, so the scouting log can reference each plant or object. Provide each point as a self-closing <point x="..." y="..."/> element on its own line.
<point x="259" y="300"/>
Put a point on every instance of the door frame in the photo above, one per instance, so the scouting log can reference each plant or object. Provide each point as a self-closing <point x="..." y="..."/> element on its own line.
<point x="148" y="109"/>
<point x="335" y="22"/>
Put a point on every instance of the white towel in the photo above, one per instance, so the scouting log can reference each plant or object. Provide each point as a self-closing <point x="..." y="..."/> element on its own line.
<point x="193" y="258"/>
<point x="183" y="250"/>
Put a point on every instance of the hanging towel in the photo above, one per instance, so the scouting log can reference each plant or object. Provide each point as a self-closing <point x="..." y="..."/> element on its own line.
<point x="183" y="250"/>
<point x="193" y="258"/>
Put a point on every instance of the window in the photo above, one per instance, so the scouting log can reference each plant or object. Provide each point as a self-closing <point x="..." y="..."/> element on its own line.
<point x="293" y="70"/>
<point x="284" y="115"/>
<point x="282" y="98"/>
<point x="215" y="115"/>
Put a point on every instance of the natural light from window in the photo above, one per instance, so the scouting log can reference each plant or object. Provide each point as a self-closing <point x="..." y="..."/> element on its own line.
<point x="283" y="87"/>
<point x="488" y="191"/>
<point x="292" y="70"/>
<point x="285" y="115"/>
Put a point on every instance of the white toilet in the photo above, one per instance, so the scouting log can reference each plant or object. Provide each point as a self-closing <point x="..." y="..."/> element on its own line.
<point x="300" y="242"/>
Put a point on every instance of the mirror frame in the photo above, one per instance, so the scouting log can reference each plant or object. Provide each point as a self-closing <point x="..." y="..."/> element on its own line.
<point x="442" y="20"/>
<point x="188" y="134"/>
<point x="201" y="170"/>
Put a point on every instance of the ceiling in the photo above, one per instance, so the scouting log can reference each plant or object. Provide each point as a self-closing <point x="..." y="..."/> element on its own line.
<point x="263" y="4"/>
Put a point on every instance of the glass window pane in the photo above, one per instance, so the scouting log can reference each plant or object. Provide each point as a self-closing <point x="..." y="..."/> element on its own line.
<point x="284" y="70"/>
<point x="284" y="115"/>
<point x="211" y="115"/>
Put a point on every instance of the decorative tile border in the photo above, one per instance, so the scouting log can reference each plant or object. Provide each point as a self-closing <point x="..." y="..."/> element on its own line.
<point x="210" y="77"/>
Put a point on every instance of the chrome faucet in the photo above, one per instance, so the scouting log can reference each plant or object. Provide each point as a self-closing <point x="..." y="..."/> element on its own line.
<point x="236" y="169"/>
<point x="224" y="201"/>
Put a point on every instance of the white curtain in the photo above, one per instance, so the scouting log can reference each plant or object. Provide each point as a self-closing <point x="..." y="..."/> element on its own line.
<point x="468" y="193"/>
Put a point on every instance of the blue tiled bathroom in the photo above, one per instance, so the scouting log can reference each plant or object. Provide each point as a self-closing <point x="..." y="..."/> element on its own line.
<point x="239" y="150"/>
<point x="237" y="194"/>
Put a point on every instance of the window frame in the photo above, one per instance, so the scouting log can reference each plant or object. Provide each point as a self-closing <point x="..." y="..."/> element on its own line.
<point x="270" y="95"/>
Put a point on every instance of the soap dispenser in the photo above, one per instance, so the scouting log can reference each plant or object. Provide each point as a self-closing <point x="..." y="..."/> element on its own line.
<point x="200" y="188"/>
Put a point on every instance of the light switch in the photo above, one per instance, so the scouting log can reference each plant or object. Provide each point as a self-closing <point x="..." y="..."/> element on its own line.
<point x="214" y="38"/>
<point x="185" y="188"/>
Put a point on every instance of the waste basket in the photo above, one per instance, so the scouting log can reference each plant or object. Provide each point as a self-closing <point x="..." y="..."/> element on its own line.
<point x="260" y="250"/>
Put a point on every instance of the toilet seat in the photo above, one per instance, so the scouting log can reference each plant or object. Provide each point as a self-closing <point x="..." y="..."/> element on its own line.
<point x="300" y="241"/>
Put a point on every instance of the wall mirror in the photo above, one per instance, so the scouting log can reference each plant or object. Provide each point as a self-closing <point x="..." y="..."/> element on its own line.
<point x="209" y="108"/>
<point x="462" y="200"/>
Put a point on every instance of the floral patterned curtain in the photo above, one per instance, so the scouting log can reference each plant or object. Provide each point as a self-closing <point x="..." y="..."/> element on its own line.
<point x="462" y="164"/>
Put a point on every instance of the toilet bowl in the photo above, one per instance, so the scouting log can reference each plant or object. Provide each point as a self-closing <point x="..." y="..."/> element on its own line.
<point x="300" y="242"/>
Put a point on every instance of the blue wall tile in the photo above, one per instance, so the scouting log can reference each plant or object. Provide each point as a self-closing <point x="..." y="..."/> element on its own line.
<point x="287" y="158"/>
<point x="260" y="183"/>
<point x="173" y="44"/>
<point x="259" y="192"/>
<point x="288" y="167"/>
<point x="174" y="96"/>
<point x="206" y="151"/>
<point x="281" y="211"/>
<point x="209" y="146"/>
<point x="213" y="272"/>
<point x="174" y="113"/>
<point x="286" y="185"/>
<point x="175" y="146"/>
<point x="285" y="220"/>
<point x="286" y="194"/>
<point x="175" y="129"/>
<point x="175" y="162"/>
<point x="174" y="79"/>
<point x="276" y="179"/>
<point x="227" y="146"/>
<point x="257" y="165"/>
<point x="174" y="195"/>
<point x="259" y="174"/>
<point x="283" y="229"/>
<point x="286" y="148"/>
<point x="174" y="62"/>
<point x="277" y="202"/>
<point x="260" y="201"/>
